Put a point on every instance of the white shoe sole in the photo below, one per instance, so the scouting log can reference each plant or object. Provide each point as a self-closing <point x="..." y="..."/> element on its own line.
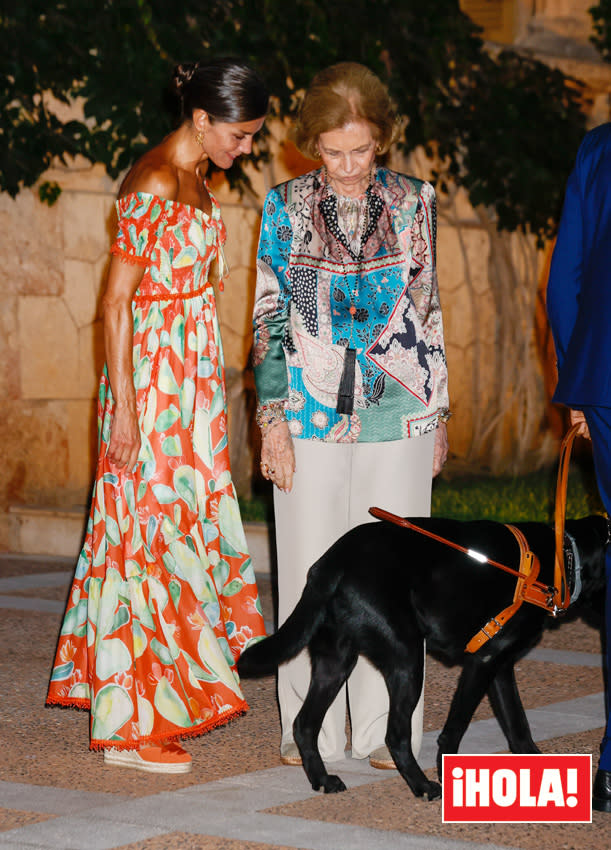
<point x="381" y="759"/>
<point x="133" y="760"/>
<point x="291" y="756"/>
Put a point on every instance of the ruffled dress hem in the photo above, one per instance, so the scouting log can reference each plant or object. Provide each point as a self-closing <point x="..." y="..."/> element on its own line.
<point x="201" y="728"/>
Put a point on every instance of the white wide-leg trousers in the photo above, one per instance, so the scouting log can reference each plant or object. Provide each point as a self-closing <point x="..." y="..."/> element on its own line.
<point x="334" y="486"/>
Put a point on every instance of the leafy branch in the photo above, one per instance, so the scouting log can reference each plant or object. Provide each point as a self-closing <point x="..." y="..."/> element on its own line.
<point x="601" y="18"/>
<point x="504" y="127"/>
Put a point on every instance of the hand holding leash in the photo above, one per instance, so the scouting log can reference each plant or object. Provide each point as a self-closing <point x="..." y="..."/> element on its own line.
<point x="577" y="417"/>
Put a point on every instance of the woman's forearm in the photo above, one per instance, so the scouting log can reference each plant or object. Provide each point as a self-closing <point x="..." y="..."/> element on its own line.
<point x="118" y="346"/>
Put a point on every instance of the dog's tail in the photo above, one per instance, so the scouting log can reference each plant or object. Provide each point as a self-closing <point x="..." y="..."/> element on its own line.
<point x="296" y="632"/>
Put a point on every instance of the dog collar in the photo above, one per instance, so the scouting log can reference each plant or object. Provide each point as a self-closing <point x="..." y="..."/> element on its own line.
<point x="573" y="567"/>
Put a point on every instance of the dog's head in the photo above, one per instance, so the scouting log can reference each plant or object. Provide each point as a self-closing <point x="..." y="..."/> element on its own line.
<point x="591" y="536"/>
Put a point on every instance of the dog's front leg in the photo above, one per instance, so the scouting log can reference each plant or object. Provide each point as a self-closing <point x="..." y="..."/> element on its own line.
<point x="507" y="706"/>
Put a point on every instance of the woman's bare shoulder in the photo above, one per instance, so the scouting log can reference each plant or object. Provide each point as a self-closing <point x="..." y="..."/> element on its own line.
<point x="152" y="175"/>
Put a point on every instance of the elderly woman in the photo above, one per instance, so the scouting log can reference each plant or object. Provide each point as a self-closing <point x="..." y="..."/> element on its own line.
<point x="349" y="365"/>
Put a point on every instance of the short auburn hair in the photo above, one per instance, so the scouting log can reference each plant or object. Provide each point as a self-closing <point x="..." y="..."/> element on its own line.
<point x="337" y="96"/>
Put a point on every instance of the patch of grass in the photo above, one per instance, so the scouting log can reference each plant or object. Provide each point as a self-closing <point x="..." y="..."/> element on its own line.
<point x="504" y="499"/>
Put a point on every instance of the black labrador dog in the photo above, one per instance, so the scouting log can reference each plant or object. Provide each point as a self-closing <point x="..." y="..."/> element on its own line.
<point x="381" y="590"/>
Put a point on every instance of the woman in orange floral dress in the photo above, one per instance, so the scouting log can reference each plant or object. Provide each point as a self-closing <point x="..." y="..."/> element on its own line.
<point x="164" y="597"/>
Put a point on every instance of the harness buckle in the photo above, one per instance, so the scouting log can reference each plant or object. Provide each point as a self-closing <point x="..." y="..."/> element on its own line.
<point x="549" y="601"/>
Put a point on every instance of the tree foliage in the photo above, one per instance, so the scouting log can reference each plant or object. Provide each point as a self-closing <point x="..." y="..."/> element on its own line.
<point x="601" y="17"/>
<point x="503" y="126"/>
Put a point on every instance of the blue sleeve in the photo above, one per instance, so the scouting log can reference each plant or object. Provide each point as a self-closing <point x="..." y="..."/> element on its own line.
<point x="272" y="299"/>
<point x="566" y="271"/>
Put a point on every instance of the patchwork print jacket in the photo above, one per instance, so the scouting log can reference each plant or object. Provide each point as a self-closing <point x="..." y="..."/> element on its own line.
<point x="315" y="297"/>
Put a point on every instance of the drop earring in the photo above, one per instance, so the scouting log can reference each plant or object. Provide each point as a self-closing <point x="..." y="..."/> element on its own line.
<point x="200" y="138"/>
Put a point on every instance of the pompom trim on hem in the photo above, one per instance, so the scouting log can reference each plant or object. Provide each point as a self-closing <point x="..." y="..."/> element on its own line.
<point x="69" y="702"/>
<point x="132" y="259"/>
<point x="201" y="729"/>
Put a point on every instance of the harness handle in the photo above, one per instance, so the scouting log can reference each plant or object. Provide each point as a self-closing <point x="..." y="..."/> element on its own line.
<point x="562" y="593"/>
<point x="380" y="513"/>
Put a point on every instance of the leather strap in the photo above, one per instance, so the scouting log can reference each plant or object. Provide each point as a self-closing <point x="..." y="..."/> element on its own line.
<point x="529" y="570"/>
<point x="380" y="513"/>
<point x="528" y="589"/>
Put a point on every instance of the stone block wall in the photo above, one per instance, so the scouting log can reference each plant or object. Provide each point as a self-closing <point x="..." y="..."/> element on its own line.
<point x="51" y="350"/>
<point x="50" y="347"/>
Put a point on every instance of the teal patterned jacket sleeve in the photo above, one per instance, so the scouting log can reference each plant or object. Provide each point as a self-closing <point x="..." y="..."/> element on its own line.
<point x="272" y="299"/>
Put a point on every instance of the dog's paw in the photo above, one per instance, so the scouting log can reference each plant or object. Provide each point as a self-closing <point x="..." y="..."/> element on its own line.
<point x="433" y="792"/>
<point x="333" y="785"/>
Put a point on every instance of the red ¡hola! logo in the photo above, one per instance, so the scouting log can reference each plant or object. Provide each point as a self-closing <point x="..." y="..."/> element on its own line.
<point x="540" y="788"/>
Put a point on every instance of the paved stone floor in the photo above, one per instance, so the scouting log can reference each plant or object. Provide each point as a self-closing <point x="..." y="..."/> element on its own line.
<point x="56" y="795"/>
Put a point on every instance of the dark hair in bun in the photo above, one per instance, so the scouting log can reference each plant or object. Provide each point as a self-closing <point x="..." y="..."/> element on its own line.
<point x="227" y="89"/>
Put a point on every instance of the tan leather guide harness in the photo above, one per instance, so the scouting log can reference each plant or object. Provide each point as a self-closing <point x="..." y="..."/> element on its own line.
<point x="554" y="599"/>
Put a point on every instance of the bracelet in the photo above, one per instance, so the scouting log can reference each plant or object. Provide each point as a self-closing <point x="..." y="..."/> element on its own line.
<point x="443" y="414"/>
<point x="270" y="414"/>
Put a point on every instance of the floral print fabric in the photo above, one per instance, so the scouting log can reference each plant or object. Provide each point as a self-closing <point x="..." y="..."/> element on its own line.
<point x="316" y="296"/>
<point x="164" y="597"/>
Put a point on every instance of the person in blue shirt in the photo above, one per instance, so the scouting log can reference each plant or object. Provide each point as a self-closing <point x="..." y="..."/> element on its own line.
<point x="579" y="310"/>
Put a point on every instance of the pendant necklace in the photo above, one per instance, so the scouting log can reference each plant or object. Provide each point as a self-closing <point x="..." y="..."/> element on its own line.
<point x="351" y="211"/>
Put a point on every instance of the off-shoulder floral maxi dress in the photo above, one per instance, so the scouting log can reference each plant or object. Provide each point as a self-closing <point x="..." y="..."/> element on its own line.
<point x="164" y="597"/>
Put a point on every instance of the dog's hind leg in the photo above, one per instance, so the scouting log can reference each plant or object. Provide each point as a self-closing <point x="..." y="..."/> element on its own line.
<point x="332" y="663"/>
<point x="473" y="683"/>
<point x="507" y="706"/>
<point x="404" y="683"/>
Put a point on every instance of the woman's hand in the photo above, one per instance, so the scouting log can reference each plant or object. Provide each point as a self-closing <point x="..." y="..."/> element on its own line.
<point x="124" y="445"/>
<point x="440" y="452"/>
<point x="576" y="417"/>
<point x="278" y="456"/>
